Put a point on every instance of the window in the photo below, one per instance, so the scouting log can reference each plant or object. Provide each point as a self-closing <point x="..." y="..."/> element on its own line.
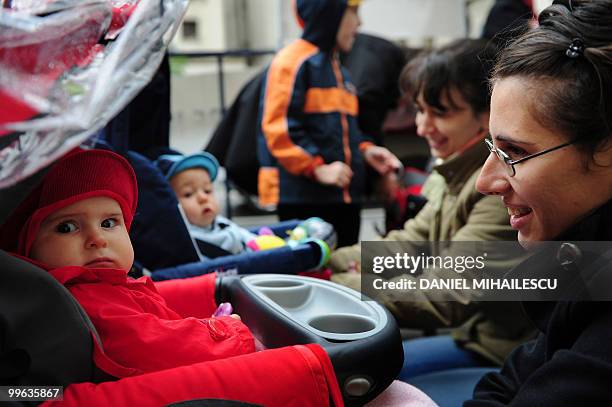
<point x="190" y="30"/>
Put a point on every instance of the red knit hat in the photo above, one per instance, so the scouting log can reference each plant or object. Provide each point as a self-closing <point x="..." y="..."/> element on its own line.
<point x="79" y="175"/>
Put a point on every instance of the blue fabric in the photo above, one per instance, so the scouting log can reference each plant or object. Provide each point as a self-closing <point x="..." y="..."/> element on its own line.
<point x="450" y="388"/>
<point x="286" y="260"/>
<point x="435" y="353"/>
<point x="280" y="229"/>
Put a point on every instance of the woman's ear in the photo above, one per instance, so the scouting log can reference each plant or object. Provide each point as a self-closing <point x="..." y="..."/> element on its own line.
<point x="603" y="154"/>
<point x="483" y="119"/>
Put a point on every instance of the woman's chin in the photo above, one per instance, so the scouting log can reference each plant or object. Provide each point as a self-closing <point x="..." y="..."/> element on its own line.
<point x="528" y="242"/>
<point x="437" y="153"/>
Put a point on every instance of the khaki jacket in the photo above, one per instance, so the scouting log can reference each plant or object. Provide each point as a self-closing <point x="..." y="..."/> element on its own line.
<point x="455" y="212"/>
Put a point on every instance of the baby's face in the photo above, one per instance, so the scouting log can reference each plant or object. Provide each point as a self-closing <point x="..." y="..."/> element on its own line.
<point x="89" y="233"/>
<point x="194" y="191"/>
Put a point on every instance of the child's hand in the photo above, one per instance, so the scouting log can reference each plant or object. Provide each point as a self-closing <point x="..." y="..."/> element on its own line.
<point x="382" y="160"/>
<point x="336" y="173"/>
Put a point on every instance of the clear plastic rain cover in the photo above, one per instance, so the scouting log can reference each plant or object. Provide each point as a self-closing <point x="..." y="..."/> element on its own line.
<point x="67" y="67"/>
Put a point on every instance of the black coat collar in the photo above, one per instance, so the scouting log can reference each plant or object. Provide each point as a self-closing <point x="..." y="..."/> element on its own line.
<point x="546" y="315"/>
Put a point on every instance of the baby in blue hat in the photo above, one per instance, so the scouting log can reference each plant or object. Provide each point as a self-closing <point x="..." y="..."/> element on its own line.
<point x="191" y="178"/>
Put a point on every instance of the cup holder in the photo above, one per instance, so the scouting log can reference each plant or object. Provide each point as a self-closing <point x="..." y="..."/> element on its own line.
<point x="342" y="323"/>
<point x="278" y="284"/>
<point x="323" y="308"/>
<point x="286" y="295"/>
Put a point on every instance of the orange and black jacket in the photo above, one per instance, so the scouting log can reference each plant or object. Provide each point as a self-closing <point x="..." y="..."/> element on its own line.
<point x="309" y="115"/>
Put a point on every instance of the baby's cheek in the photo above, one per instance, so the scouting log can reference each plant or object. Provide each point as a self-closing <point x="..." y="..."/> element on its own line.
<point x="127" y="255"/>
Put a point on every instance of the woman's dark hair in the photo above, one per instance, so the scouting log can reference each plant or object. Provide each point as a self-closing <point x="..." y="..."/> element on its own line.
<point x="464" y="64"/>
<point x="568" y="60"/>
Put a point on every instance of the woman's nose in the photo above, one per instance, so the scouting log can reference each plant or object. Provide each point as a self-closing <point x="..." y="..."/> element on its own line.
<point x="424" y="123"/>
<point x="493" y="180"/>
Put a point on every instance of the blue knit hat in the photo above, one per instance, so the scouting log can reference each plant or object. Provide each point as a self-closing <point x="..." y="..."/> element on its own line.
<point x="172" y="164"/>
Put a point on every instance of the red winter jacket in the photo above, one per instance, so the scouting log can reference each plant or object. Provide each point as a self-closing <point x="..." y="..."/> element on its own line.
<point x="159" y="341"/>
<point x="141" y="333"/>
<point x="300" y="376"/>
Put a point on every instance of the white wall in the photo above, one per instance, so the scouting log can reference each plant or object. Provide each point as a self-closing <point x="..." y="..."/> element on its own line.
<point x="208" y="15"/>
<point x="221" y="25"/>
<point x="413" y="19"/>
<point x="264" y="23"/>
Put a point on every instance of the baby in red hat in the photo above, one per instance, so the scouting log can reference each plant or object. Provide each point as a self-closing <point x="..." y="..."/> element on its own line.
<point x="75" y="224"/>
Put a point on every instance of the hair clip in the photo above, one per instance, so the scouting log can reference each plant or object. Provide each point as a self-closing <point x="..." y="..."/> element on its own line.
<point x="575" y="49"/>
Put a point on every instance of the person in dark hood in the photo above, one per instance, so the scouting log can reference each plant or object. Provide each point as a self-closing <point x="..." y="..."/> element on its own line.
<point x="551" y="165"/>
<point x="311" y="151"/>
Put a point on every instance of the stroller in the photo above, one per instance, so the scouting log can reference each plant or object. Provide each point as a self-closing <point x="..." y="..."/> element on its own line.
<point x="47" y="339"/>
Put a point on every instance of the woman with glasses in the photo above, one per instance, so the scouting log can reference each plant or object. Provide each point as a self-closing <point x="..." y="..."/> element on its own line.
<point x="449" y="88"/>
<point x="551" y="165"/>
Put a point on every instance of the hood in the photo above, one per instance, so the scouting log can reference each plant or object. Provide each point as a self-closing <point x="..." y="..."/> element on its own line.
<point x="320" y="20"/>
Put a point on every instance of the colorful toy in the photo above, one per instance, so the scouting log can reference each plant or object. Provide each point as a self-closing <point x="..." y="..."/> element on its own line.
<point x="265" y="242"/>
<point x="224" y="309"/>
<point x="314" y="228"/>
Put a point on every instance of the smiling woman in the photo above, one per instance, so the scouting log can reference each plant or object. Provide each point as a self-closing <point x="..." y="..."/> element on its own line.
<point x="450" y="98"/>
<point x="560" y="183"/>
<point x="551" y="164"/>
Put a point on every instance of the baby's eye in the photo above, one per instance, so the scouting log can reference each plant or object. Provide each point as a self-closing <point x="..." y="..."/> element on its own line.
<point x="208" y="191"/>
<point x="187" y="194"/>
<point x="66" y="227"/>
<point x="109" y="223"/>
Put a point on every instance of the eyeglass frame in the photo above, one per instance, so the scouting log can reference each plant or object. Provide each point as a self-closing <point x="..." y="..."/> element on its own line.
<point x="509" y="163"/>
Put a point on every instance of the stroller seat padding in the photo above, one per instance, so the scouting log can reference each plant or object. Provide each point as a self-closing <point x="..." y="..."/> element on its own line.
<point x="44" y="335"/>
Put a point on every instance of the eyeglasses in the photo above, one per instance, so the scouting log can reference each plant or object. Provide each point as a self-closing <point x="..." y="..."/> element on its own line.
<point x="509" y="163"/>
